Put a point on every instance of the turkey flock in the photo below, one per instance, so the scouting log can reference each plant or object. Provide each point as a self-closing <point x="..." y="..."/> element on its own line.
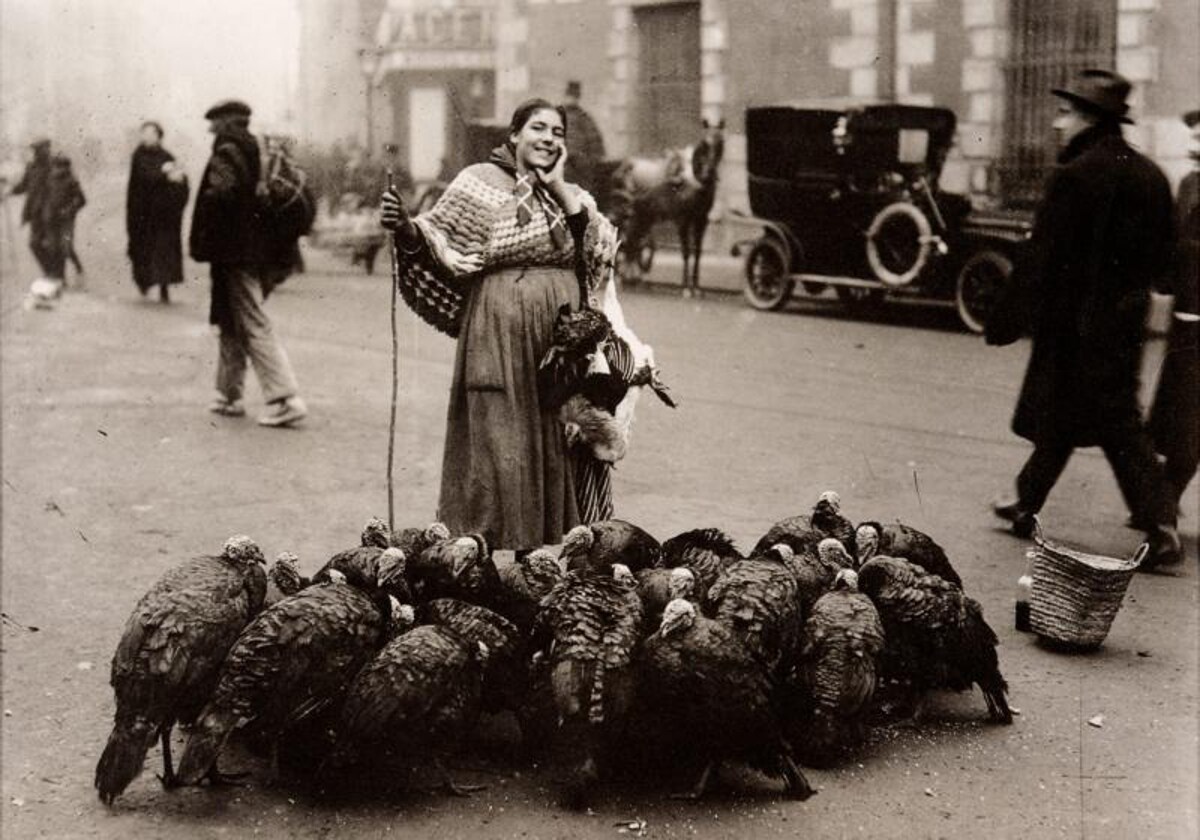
<point x="388" y="656"/>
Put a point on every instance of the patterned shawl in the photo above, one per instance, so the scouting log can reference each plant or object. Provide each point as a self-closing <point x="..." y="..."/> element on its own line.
<point x="477" y="226"/>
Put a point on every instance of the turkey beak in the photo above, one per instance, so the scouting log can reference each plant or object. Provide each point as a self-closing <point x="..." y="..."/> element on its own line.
<point x="464" y="557"/>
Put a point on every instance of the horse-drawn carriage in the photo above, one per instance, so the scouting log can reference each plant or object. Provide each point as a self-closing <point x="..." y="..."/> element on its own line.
<point x="850" y="200"/>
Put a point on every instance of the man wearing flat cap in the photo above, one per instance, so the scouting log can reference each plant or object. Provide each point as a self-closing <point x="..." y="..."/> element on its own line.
<point x="229" y="233"/>
<point x="1101" y="239"/>
<point x="1175" y="418"/>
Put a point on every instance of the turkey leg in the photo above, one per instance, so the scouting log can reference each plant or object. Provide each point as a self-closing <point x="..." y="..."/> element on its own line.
<point x="797" y="783"/>
<point x="697" y="792"/>
<point x="452" y="787"/>
<point x="168" y="777"/>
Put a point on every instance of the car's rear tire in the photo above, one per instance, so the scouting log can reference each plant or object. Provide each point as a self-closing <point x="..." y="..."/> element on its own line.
<point x="979" y="283"/>
<point x="768" y="286"/>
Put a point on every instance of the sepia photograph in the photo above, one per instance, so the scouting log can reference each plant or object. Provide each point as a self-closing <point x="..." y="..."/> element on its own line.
<point x="547" y="419"/>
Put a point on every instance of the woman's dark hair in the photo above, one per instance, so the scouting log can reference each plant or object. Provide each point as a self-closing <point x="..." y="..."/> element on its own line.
<point x="530" y="107"/>
<point x="158" y="129"/>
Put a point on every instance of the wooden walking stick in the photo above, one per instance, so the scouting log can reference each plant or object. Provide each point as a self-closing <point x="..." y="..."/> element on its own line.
<point x="391" y="459"/>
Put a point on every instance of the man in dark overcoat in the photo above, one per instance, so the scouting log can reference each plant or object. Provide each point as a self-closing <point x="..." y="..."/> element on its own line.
<point x="1175" y="418"/>
<point x="34" y="185"/>
<point x="1101" y="240"/>
<point x="230" y="233"/>
<point x="585" y="143"/>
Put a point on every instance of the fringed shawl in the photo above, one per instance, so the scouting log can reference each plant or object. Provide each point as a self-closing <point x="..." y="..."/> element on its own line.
<point x="474" y="229"/>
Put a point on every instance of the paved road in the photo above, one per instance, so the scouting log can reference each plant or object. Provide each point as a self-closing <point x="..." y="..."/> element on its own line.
<point x="113" y="472"/>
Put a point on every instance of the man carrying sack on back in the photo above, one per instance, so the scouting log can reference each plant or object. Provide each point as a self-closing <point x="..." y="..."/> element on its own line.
<point x="229" y="232"/>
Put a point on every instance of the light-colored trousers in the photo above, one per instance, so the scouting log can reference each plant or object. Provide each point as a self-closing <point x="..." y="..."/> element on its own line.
<point x="249" y="336"/>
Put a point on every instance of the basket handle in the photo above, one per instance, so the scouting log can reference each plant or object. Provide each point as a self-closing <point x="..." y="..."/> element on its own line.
<point x="1038" y="536"/>
<point x="1140" y="554"/>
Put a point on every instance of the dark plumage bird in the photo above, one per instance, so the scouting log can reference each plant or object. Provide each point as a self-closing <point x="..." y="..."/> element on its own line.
<point x="366" y="567"/>
<point x="586" y="633"/>
<point x="839" y="649"/>
<point x="706" y="551"/>
<point x="658" y="587"/>
<point x="802" y="533"/>
<point x="697" y="679"/>
<point x="600" y="545"/>
<point x="900" y="540"/>
<point x="524" y="582"/>
<point x="412" y="541"/>
<point x="759" y="599"/>
<point x="290" y="664"/>
<point x="170" y="653"/>
<point x="936" y="635"/>
<point x="460" y="567"/>
<point x="505" y="676"/>
<point x="415" y="700"/>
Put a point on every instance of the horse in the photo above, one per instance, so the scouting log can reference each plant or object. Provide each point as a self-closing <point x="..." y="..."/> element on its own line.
<point x="681" y="185"/>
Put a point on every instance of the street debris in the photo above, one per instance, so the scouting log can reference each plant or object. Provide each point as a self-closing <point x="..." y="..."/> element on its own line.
<point x="1097" y="721"/>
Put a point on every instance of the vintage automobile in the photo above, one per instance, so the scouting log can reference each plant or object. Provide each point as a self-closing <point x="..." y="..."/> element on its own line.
<point x="849" y="199"/>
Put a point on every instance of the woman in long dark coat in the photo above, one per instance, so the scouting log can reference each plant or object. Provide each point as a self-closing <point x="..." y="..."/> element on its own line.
<point x="154" y="203"/>
<point x="507" y="245"/>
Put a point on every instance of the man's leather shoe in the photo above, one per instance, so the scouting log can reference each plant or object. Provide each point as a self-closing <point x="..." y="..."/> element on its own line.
<point x="1022" y="520"/>
<point x="1165" y="548"/>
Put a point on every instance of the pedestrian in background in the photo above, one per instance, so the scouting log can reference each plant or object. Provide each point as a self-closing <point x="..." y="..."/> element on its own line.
<point x="64" y="199"/>
<point x="509" y="236"/>
<point x="33" y="185"/>
<point x="1101" y="240"/>
<point x="585" y="143"/>
<point x="1175" y="417"/>
<point x="154" y="202"/>
<point x="229" y="232"/>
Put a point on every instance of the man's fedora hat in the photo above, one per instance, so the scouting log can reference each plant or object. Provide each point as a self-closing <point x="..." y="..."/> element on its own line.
<point x="228" y="108"/>
<point x="1191" y="118"/>
<point x="1099" y="92"/>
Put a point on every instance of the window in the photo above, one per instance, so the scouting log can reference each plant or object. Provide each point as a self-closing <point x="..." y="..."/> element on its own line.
<point x="668" y="86"/>
<point x="1051" y="43"/>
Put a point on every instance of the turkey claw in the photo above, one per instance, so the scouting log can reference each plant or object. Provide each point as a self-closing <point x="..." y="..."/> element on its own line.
<point x="455" y="789"/>
<point x="169" y="782"/>
<point x="219" y="779"/>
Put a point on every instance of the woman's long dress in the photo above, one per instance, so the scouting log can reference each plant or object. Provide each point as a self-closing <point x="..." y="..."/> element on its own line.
<point x="506" y="470"/>
<point x="153" y="218"/>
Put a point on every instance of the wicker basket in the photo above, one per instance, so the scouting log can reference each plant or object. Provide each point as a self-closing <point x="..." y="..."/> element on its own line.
<point x="1075" y="594"/>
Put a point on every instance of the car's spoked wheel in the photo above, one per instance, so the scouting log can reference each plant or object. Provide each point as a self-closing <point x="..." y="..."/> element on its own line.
<point x="768" y="286"/>
<point x="979" y="284"/>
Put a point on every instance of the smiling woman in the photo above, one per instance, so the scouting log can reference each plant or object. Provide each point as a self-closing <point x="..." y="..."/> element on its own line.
<point x="508" y="244"/>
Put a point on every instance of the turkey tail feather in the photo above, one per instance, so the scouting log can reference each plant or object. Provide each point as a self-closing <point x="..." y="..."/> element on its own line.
<point x="596" y="699"/>
<point x="123" y="757"/>
<point x="994" y="692"/>
<point x="204" y="745"/>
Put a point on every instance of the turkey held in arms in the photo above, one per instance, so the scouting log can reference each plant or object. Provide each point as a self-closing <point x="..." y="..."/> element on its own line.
<point x="700" y="683"/>
<point x="936" y="635"/>
<point x="842" y="641"/>
<point x="290" y="664"/>
<point x="170" y="654"/>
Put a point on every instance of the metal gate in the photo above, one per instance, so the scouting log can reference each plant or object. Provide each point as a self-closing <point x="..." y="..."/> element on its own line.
<point x="1051" y="43"/>
<point x="668" y="85"/>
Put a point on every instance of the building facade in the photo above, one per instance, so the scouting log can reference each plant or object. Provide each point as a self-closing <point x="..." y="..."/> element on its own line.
<point x="652" y="69"/>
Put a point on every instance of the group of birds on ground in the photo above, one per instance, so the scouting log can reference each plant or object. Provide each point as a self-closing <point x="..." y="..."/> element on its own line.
<point x="388" y="656"/>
